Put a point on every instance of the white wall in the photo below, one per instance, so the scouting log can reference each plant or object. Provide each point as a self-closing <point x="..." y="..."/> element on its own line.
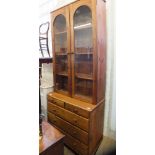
<point x="45" y="7"/>
<point x="110" y="104"/>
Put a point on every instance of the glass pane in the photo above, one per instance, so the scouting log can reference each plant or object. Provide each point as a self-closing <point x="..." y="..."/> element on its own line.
<point x="84" y="64"/>
<point x="83" y="52"/>
<point x="61" y="83"/>
<point x="61" y="64"/>
<point x="61" y="58"/>
<point x="83" y="30"/>
<point x="60" y="35"/>
<point x="83" y="88"/>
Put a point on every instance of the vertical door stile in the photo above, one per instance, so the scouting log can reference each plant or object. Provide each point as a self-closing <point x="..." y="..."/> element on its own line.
<point x="68" y="49"/>
<point x="69" y="52"/>
<point x="95" y="55"/>
<point x="72" y="49"/>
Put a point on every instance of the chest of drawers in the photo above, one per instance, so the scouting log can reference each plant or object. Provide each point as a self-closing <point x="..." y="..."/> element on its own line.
<point x="82" y="123"/>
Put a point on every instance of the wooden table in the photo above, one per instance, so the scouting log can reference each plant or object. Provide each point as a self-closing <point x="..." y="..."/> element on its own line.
<point x="52" y="141"/>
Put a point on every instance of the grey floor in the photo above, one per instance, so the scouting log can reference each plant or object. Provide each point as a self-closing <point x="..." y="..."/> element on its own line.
<point x="104" y="147"/>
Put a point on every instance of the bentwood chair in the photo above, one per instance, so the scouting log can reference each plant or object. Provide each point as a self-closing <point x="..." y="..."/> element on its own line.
<point x="43" y="38"/>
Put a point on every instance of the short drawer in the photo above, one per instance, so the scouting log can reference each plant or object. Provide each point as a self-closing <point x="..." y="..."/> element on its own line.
<point x="76" y="145"/>
<point x="74" y="119"/>
<point x="77" y="110"/>
<point x="68" y="128"/>
<point x="56" y="101"/>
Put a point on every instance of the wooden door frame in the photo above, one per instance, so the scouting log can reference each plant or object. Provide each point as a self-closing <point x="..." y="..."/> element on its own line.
<point x="73" y="8"/>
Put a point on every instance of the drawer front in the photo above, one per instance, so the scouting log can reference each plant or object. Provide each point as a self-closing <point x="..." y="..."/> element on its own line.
<point x="68" y="128"/>
<point x="69" y="116"/>
<point x="77" y="110"/>
<point x="56" y="101"/>
<point x="74" y="144"/>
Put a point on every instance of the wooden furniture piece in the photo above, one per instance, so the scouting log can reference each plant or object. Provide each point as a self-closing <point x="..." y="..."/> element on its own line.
<point x="52" y="141"/>
<point x="81" y="122"/>
<point x="76" y="106"/>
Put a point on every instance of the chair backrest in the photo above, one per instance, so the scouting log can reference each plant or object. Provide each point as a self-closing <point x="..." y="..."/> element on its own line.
<point x="43" y="28"/>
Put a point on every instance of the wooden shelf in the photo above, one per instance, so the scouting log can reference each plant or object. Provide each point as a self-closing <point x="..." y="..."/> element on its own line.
<point x="60" y="54"/>
<point x="82" y="27"/>
<point x="88" y="98"/>
<point x="58" y="33"/>
<point x="84" y="76"/>
<point x="62" y="73"/>
<point x="78" y="53"/>
<point x="84" y="53"/>
<point x="84" y="50"/>
<point x="63" y="91"/>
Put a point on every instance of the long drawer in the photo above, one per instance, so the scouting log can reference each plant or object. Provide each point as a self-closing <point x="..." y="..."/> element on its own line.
<point x="76" y="145"/>
<point x="71" y="142"/>
<point x="69" y="128"/>
<point x="77" y="110"/>
<point x="56" y="101"/>
<point x="74" y="119"/>
<point x="70" y="107"/>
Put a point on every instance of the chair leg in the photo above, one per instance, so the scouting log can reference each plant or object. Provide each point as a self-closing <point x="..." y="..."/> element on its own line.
<point x="48" y="48"/>
<point x="41" y="48"/>
<point x="42" y="53"/>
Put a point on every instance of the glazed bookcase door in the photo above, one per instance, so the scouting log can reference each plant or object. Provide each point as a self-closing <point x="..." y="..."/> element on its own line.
<point x="61" y="48"/>
<point x="82" y="47"/>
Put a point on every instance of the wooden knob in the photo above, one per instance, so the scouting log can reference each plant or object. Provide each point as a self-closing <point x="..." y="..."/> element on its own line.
<point x="74" y="132"/>
<point x="75" y="110"/>
<point x="54" y="110"/>
<point x="74" y="144"/>
<point x="75" y="120"/>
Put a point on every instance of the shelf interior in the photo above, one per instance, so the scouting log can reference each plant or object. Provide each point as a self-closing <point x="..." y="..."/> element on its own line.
<point x="83" y="26"/>
<point x="61" y="82"/>
<point x="83" y="76"/>
<point x="60" y="53"/>
<point x="84" y="53"/>
<point x="88" y="98"/>
<point x="83" y="86"/>
<point x="62" y="73"/>
<point x="62" y="32"/>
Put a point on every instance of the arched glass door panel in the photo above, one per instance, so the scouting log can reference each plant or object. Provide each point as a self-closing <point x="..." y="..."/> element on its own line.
<point x="60" y="50"/>
<point x="83" y="53"/>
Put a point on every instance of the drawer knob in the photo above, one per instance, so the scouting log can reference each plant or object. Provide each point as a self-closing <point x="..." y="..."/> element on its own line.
<point x="75" y="120"/>
<point x="75" y="110"/>
<point x="54" y="110"/>
<point x="54" y="120"/>
<point x="74" y="132"/>
<point x="74" y="144"/>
